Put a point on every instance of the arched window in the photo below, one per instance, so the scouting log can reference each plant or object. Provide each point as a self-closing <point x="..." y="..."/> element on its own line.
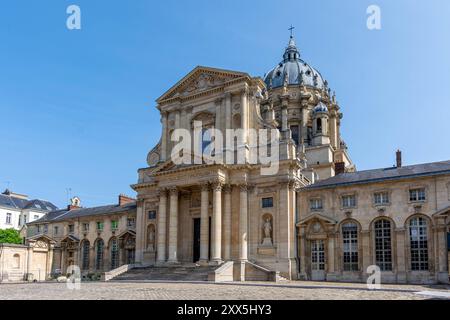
<point x="85" y="254"/>
<point x="418" y="236"/>
<point x="383" y="246"/>
<point x="114" y="253"/>
<point x="99" y="254"/>
<point x="16" y="259"/>
<point x="319" y="125"/>
<point x="350" y="246"/>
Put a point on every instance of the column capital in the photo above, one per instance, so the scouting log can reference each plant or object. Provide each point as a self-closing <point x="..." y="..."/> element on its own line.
<point x="227" y="95"/>
<point x="173" y="191"/>
<point x="217" y="185"/>
<point x="243" y="187"/>
<point x="227" y="188"/>
<point x="205" y="186"/>
<point x="162" y="192"/>
<point x="244" y="90"/>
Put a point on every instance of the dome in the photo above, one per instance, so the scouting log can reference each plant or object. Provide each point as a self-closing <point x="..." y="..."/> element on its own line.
<point x="294" y="70"/>
<point x="320" y="108"/>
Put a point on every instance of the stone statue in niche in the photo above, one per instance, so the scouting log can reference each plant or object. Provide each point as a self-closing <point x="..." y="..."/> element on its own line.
<point x="151" y="238"/>
<point x="267" y="230"/>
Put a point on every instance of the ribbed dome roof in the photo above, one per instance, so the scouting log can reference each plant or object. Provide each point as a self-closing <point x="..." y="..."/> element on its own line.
<point x="294" y="70"/>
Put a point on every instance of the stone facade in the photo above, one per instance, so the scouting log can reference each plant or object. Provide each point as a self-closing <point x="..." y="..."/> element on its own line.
<point x="394" y="228"/>
<point x="315" y="218"/>
<point x="95" y="239"/>
<point x="210" y="213"/>
<point x="32" y="262"/>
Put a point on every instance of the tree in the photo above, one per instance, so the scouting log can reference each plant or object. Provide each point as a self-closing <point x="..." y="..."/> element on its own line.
<point x="10" y="236"/>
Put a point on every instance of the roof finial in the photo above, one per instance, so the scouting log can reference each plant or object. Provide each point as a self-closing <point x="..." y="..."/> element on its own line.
<point x="291" y="30"/>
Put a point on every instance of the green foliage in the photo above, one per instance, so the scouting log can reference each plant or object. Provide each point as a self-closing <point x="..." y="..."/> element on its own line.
<point x="10" y="236"/>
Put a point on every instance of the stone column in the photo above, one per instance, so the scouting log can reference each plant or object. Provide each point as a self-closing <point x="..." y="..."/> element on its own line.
<point x="30" y="259"/>
<point x="442" y="251"/>
<point x="173" y="226"/>
<point x="244" y="109"/>
<point x="163" y="156"/>
<point x="284" y="117"/>
<point x="49" y="259"/>
<point x="400" y="234"/>
<point x="227" y="223"/>
<point x="330" y="258"/>
<point x="228" y="110"/>
<point x="217" y="224"/>
<point x="243" y="223"/>
<point x="162" y="226"/>
<point x="304" y="125"/>
<point x="333" y="124"/>
<point x="365" y="252"/>
<point x="204" y="224"/>
<point x="302" y="252"/>
<point x="139" y="235"/>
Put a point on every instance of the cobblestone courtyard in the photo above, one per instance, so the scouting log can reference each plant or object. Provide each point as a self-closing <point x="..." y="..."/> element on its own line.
<point x="211" y="291"/>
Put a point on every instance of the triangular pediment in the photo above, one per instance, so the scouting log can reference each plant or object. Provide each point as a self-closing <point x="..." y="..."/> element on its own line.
<point x="199" y="80"/>
<point x="443" y="212"/>
<point x="316" y="216"/>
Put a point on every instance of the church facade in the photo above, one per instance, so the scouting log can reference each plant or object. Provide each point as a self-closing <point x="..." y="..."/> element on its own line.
<point x="210" y="213"/>
<point x="315" y="218"/>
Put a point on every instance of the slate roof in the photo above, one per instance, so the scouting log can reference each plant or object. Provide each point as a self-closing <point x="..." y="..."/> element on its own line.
<point x="384" y="174"/>
<point x="61" y="215"/>
<point x="10" y="201"/>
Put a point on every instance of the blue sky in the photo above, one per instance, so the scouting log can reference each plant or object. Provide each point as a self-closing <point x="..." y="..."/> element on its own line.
<point x="77" y="107"/>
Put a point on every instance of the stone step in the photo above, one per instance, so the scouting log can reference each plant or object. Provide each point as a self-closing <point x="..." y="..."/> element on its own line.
<point x="174" y="273"/>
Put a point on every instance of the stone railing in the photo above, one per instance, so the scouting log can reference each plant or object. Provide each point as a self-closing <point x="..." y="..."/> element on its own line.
<point x="230" y="271"/>
<point x="106" y="276"/>
<point x="223" y="273"/>
<point x="254" y="272"/>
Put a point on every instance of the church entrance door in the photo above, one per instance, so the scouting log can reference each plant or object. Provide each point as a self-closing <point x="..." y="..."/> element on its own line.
<point x="196" y="242"/>
<point x="317" y="260"/>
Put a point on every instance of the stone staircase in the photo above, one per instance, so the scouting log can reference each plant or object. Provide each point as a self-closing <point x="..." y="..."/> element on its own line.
<point x="167" y="273"/>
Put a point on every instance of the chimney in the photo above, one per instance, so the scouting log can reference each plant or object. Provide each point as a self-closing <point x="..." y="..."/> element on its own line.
<point x="399" y="158"/>
<point x="339" y="167"/>
<point x="75" y="203"/>
<point x="123" y="199"/>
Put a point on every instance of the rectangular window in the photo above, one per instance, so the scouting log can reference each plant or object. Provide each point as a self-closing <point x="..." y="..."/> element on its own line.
<point x="38" y="228"/>
<point x="316" y="204"/>
<point x="417" y="194"/>
<point x="45" y="228"/>
<point x="55" y="230"/>
<point x="86" y="226"/>
<point x="71" y="228"/>
<point x="381" y="198"/>
<point x="349" y="201"/>
<point x="114" y="225"/>
<point x="350" y="242"/>
<point x="99" y="225"/>
<point x="267" y="202"/>
<point x="25" y="219"/>
<point x="152" y="215"/>
<point x="8" y="218"/>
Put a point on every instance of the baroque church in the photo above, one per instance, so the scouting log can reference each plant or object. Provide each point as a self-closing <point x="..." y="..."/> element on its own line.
<point x="317" y="218"/>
